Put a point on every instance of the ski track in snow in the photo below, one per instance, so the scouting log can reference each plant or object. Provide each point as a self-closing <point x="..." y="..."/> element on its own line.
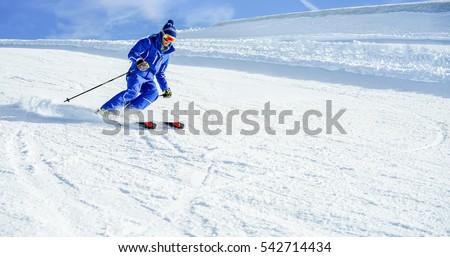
<point x="388" y="176"/>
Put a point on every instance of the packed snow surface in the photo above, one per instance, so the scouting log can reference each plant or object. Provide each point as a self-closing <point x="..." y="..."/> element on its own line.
<point x="386" y="68"/>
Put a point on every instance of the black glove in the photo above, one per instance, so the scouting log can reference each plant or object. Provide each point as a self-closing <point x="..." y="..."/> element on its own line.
<point x="142" y="65"/>
<point x="167" y="93"/>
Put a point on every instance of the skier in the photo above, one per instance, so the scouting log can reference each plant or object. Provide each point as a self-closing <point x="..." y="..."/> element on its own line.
<point x="149" y="57"/>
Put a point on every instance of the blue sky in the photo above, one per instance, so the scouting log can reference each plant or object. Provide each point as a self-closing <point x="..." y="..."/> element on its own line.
<point x="131" y="19"/>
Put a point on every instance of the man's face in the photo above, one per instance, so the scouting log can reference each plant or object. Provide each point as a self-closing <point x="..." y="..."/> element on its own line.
<point x="165" y="43"/>
<point x="167" y="39"/>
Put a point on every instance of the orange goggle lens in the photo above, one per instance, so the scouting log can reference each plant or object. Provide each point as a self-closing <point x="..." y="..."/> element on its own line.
<point x="169" y="38"/>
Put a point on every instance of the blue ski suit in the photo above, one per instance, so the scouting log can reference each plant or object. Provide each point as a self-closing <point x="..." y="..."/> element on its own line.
<point x="141" y="88"/>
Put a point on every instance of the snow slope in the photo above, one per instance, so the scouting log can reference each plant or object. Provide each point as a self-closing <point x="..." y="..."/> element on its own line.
<point x="388" y="176"/>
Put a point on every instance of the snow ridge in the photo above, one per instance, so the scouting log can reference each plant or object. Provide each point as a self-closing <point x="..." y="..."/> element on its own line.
<point x="407" y="41"/>
<point x="430" y="7"/>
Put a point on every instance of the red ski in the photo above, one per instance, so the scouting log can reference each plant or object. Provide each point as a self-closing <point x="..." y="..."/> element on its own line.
<point x="153" y="125"/>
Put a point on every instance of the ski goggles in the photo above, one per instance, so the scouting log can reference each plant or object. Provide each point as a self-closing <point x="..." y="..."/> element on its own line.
<point x="169" y="38"/>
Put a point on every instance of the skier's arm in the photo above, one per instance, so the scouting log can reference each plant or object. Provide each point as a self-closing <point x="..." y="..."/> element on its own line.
<point x="140" y="47"/>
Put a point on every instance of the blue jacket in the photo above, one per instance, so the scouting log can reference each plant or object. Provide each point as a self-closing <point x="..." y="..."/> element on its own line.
<point x="150" y="49"/>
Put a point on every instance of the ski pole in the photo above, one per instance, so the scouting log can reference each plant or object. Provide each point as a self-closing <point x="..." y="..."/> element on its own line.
<point x="68" y="99"/>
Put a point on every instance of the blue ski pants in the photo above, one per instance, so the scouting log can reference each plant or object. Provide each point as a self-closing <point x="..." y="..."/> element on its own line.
<point x="140" y="93"/>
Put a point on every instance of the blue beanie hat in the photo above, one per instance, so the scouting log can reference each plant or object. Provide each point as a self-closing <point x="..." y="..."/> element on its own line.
<point x="170" y="29"/>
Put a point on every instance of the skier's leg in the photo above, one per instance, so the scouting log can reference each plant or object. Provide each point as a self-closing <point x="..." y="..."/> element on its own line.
<point x="149" y="94"/>
<point x="133" y="87"/>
